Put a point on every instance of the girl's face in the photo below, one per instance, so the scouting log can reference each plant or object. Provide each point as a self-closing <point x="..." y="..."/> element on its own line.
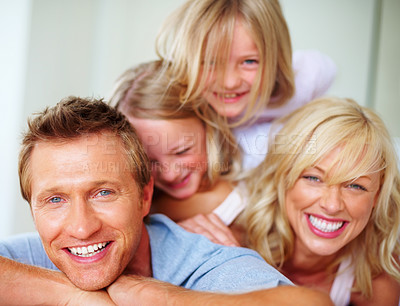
<point x="230" y="96"/>
<point x="326" y="218"/>
<point x="177" y="150"/>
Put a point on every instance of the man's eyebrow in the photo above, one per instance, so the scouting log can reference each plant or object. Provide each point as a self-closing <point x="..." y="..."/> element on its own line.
<point x="44" y="193"/>
<point x="58" y="189"/>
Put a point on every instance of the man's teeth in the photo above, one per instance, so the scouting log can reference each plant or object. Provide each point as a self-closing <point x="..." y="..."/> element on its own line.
<point x="89" y="250"/>
<point x="325" y="226"/>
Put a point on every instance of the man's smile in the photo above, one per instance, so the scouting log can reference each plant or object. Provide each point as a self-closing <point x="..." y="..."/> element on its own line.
<point x="88" y="251"/>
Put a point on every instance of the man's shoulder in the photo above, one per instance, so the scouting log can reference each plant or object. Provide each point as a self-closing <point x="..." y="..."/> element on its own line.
<point x="15" y="243"/>
<point x="165" y="235"/>
<point x="26" y="248"/>
<point x="192" y="261"/>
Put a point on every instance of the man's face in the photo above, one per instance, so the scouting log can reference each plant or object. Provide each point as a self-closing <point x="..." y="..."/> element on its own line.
<point x="87" y="207"/>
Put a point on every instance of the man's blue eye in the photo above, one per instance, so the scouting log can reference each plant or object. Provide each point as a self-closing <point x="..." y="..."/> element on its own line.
<point x="104" y="192"/>
<point x="55" y="200"/>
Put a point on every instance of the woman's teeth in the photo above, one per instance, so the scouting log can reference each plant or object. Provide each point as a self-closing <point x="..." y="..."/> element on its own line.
<point x="325" y="226"/>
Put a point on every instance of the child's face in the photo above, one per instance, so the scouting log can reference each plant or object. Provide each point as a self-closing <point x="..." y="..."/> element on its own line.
<point x="230" y="96"/>
<point x="177" y="150"/>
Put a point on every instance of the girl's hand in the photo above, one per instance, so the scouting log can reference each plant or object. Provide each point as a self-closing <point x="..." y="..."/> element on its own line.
<point x="211" y="227"/>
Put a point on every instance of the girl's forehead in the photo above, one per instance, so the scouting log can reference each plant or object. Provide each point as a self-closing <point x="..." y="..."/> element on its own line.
<point x="160" y="132"/>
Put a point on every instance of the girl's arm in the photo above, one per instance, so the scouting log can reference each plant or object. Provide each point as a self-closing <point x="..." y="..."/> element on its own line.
<point x="211" y="227"/>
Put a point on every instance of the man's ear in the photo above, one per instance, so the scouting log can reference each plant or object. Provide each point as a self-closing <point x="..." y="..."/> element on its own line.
<point x="147" y="196"/>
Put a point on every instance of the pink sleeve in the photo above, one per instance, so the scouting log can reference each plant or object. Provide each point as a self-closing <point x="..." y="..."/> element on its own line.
<point x="314" y="74"/>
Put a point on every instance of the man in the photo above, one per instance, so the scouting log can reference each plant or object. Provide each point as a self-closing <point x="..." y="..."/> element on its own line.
<point x="87" y="180"/>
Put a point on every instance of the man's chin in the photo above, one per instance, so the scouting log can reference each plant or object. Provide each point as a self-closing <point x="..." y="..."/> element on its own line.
<point x="90" y="283"/>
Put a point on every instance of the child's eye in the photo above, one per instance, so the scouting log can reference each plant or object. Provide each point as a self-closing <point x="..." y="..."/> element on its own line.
<point x="210" y="63"/>
<point x="250" y="61"/>
<point x="182" y="151"/>
<point x="357" y="187"/>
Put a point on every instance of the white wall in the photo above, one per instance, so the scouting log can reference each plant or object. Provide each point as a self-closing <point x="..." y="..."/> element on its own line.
<point x="343" y="30"/>
<point x="387" y="95"/>
<point x="14" y="35"/>
<point x="57" y="48"/>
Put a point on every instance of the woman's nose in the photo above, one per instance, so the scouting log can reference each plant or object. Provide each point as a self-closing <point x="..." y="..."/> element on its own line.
<point x="332" y="200"/>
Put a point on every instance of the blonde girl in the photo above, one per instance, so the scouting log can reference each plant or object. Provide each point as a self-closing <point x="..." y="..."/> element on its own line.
<point x="237" y="55"/>
<point x="192" y="162"/>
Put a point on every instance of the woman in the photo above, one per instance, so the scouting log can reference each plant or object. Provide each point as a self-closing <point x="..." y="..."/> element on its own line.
<point x="325" y="204"/>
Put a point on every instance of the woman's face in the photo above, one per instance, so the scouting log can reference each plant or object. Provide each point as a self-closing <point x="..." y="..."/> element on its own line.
<point x="177" y="150"/>
<point x="326" y="218"/>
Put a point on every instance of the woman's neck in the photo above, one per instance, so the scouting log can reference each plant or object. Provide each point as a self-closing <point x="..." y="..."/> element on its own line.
<point x="202" y="202"/>
<point x="311" y="270"/>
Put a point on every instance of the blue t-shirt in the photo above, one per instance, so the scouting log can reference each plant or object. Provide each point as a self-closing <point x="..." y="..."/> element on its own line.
<point x="178" y="257"/>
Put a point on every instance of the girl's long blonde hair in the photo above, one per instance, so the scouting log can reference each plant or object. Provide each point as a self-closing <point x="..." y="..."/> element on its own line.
<point x="142" y="92"/>
<point x="306" y="137"/>
<point x="201" y="32"/>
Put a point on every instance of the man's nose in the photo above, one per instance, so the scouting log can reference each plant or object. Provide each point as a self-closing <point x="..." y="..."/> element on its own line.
<point x="82" y="221"/>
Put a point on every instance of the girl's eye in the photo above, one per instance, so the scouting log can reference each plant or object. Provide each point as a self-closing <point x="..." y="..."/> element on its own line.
<point x="357" y="187"/>
<point x="250" y="62"/>
<point x="209" y="64"/>
<point x="311" y="178"/>
<point x="182" y="151"/>
<point x="55" y="200"/>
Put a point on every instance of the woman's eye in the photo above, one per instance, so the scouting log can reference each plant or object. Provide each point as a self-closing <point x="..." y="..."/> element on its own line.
<point x="357" y="187"/>
<point x="311" y="178"/>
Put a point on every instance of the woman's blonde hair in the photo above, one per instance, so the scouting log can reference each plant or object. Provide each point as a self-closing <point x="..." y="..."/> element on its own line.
<point x="141" y="92"/>
<point x="306" y="137"/>
<point x="201" y="32"/>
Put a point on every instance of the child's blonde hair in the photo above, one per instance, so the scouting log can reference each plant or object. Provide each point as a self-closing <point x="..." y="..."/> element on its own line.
<point x="141" y="92"/>
<point x="201" y="31"/>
